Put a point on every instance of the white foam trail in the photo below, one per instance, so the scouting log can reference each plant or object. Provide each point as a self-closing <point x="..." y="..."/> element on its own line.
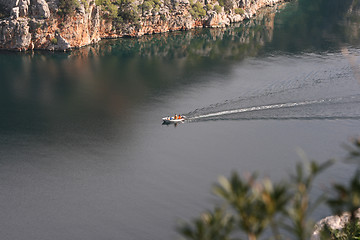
<point x="258" y="108"/>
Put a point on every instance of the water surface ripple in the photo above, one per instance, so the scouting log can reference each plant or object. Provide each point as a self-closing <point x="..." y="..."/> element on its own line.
<point x="83" y="154"/>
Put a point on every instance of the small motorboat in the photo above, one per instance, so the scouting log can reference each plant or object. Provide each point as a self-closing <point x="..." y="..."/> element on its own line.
<point x="168" y="120"/>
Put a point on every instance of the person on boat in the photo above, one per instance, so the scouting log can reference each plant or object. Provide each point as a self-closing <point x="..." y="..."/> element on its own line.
<point x="176" y="117"/>
<point x="180" y="116"/>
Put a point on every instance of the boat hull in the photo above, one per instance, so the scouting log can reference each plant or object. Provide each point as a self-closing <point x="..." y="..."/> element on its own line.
<point x="169" y="121"/>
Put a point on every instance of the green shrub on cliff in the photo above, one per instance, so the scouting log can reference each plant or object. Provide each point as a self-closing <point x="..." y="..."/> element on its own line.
<point x="153" y="5"/>
<point x="197" y="10"/>
<point x="209" y="7"/>
<point x="68" y="7"/>
<point x="217" y="9"/>
<point x="147" y="5"/>
<point x="54" y="41"/>
<point x="351" y="231"/>
<point x="112" y="11"/>
<point x="155" y="10"/>
<point x="128" y="11"/>
<point x="227" y="4"/>
<point x="119" y="10"/>
<point x="162" y="17"/>
<point x="239" y="11"/>
<point x="109" y="8"/>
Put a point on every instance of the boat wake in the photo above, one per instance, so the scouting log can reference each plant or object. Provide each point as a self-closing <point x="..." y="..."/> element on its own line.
<point x="328" y="89"/>
<point x="332" y="108"/>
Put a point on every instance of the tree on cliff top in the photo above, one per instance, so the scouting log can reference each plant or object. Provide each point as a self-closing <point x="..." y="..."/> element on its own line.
<point x="68" y="7"/>
<point x="227" y="4"/>
<point x="128" y="10"/>
<point x="109" y="8"/>
<point x="119" y="10"/>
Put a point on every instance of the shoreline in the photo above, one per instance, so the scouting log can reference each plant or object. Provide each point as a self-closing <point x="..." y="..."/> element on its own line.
<point x="88" y="25"/>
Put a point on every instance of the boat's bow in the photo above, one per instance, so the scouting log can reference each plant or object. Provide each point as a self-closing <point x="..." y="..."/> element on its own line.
<point x="168" y="120"/>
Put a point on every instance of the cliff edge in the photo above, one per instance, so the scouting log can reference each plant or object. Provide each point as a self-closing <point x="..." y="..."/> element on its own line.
<point x="66" y="24"/>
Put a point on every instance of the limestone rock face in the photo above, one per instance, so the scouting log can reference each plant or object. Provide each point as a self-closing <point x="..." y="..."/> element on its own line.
<point x="82" y="29"/>
<point x="179" y="18"/>
<point x="36" y="24"/>
<point x="9" y="4"/>
<point x="61" y="43"/>
<point x="334" y="222"/>
<point x="218" y="20"/>
<point x="53" y="5"/>
<point x="24" y="7"/>
<point x="14" y="34"/>
<point x="40" y="9"/>
<point x="14" y="14"/>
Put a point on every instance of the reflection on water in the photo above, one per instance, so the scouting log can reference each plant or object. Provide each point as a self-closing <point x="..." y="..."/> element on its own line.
<point x="105" y="80"/>
<point x="101" y="84"/>
<point x="332" y="108"/>
<point x="316" y="26"/>
<point x="83" y="151"/>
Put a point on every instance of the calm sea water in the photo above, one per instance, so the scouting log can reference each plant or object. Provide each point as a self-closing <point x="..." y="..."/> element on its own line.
<point x="83" y="153"/>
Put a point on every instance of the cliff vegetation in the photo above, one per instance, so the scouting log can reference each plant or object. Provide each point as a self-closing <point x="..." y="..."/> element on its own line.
<point x="66" y="24"/>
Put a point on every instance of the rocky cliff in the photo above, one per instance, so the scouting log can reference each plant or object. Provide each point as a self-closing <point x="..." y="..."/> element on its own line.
<point x="66" y="24"/>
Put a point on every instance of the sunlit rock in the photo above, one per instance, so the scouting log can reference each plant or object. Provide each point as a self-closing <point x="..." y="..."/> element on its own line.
<point x="218" y="20"/>
<point x="14" y="14"/>
<point x="24" y="7"/>
<point x="87" y="24"/>
<point x="333" y="222"/>
<point x="40" y="9"/>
